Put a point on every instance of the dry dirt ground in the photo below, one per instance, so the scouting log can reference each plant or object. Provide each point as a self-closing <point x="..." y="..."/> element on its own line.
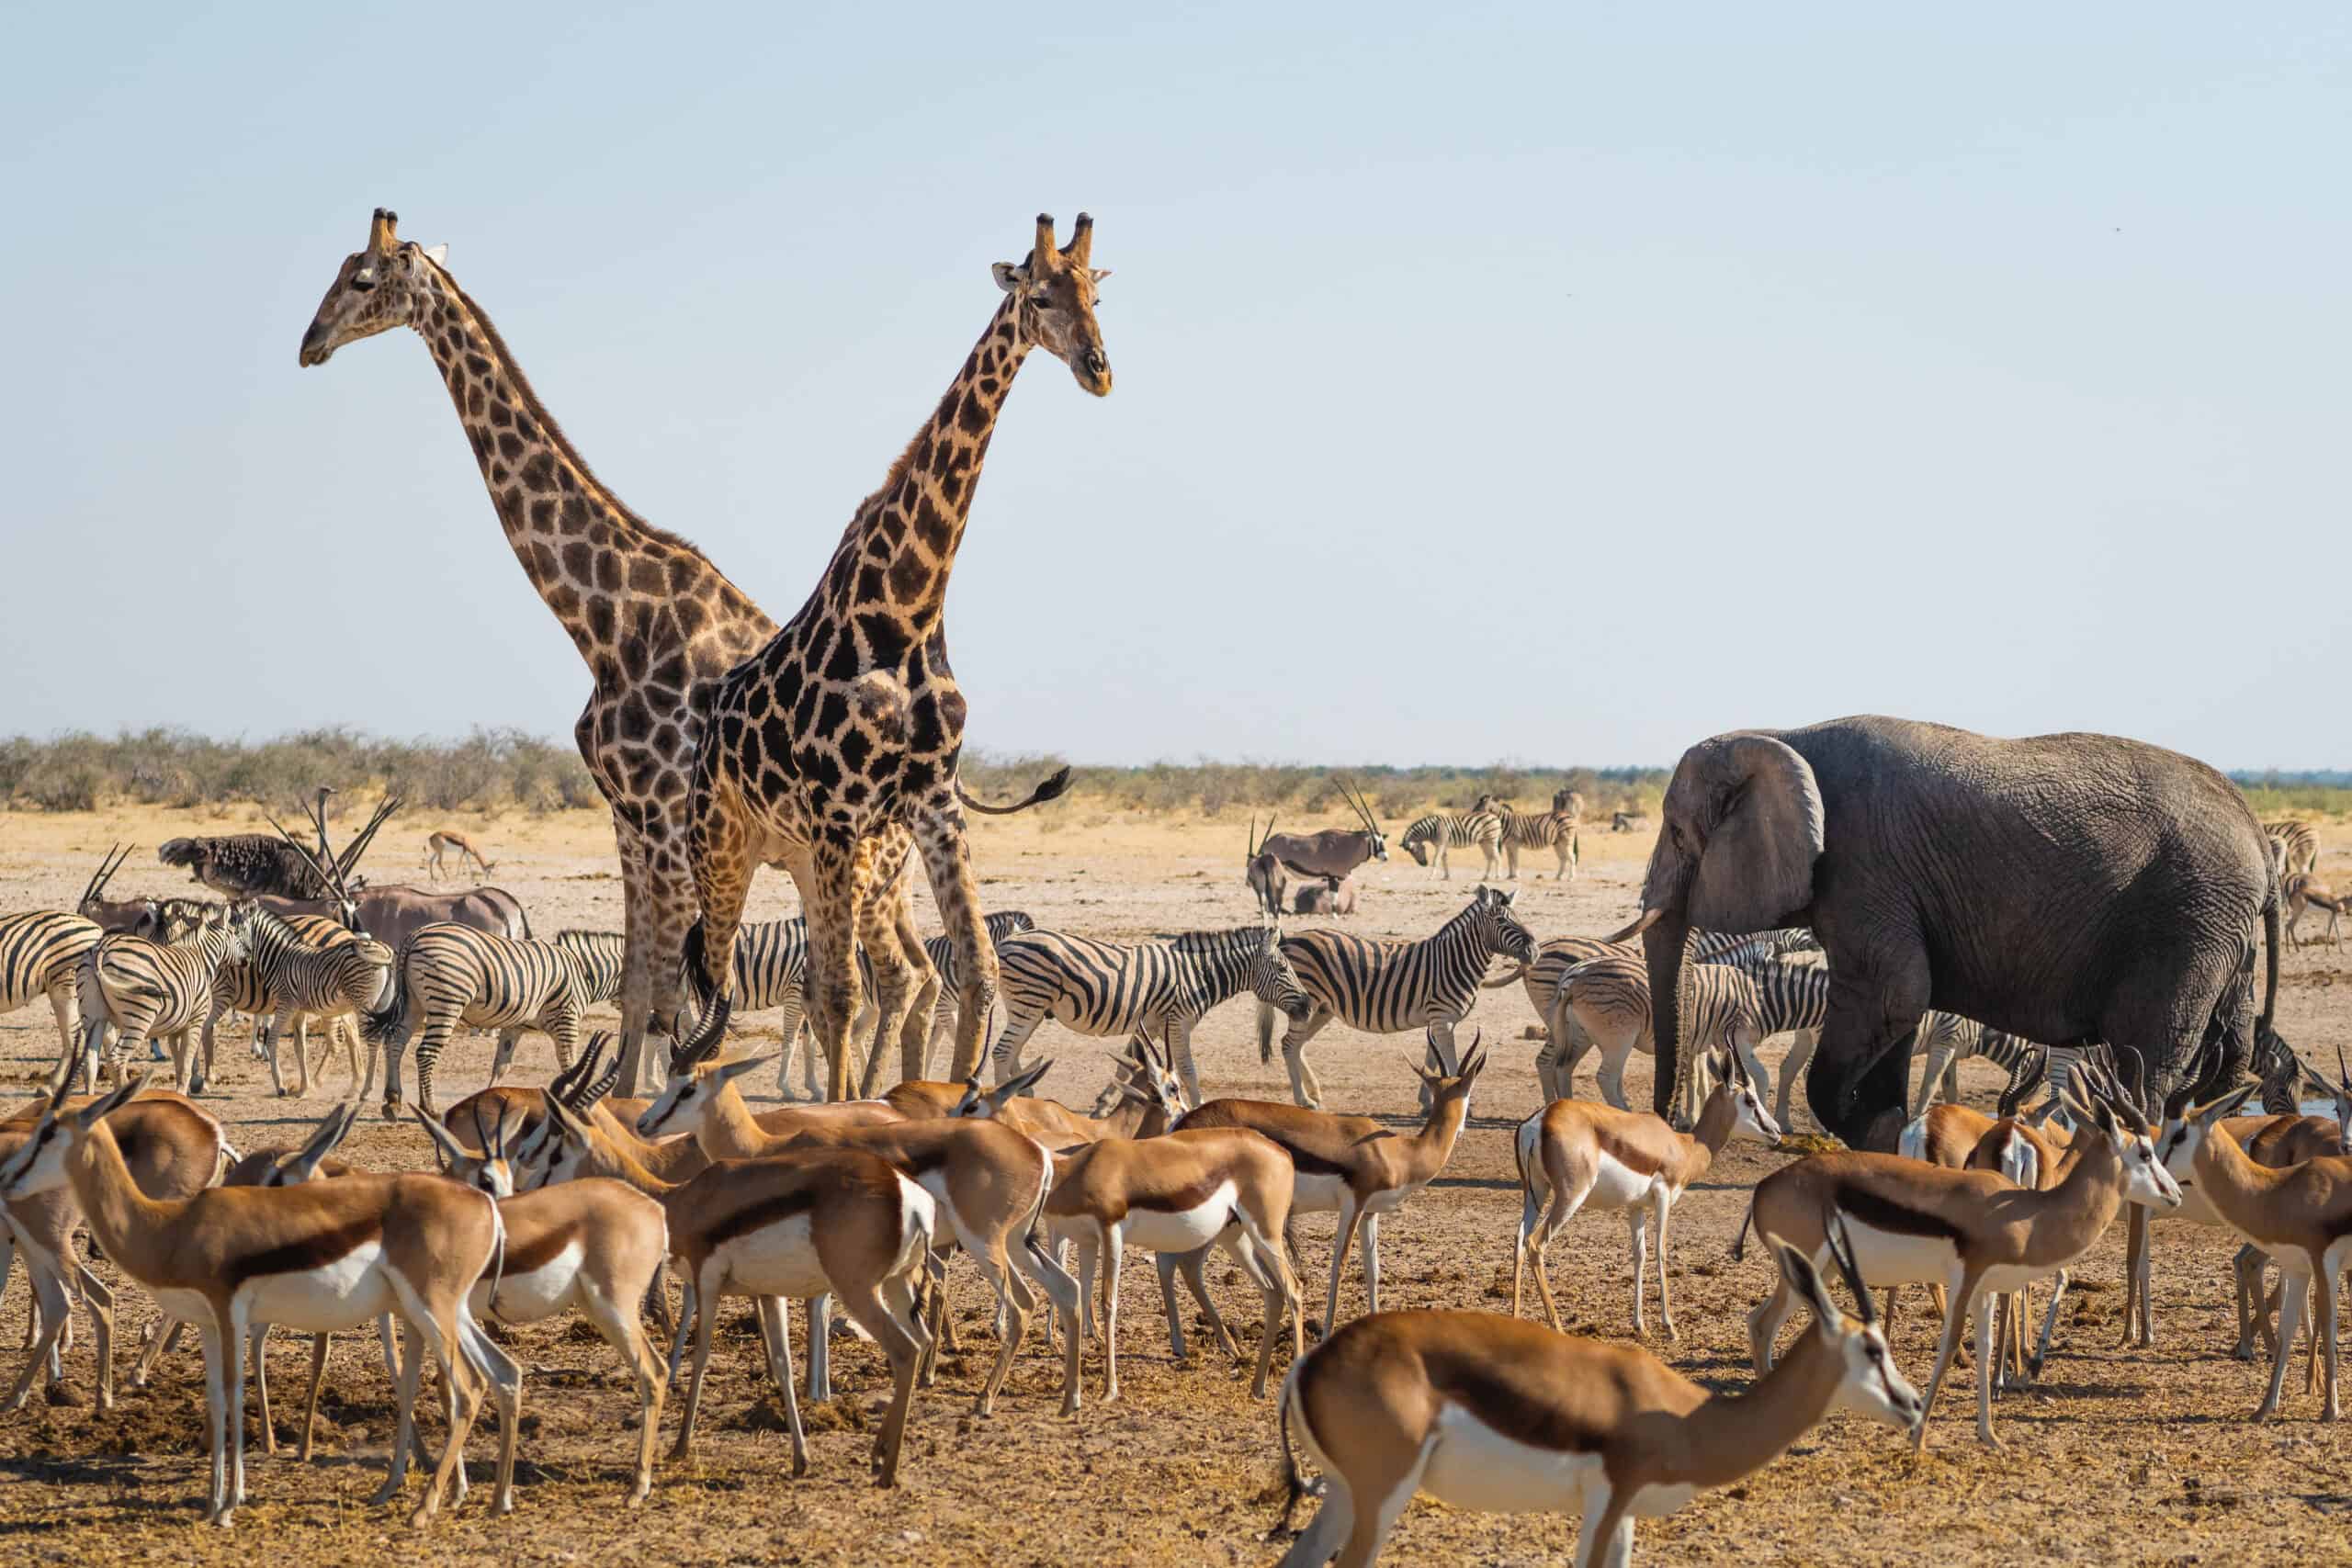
<point x="2116" y="1453"/>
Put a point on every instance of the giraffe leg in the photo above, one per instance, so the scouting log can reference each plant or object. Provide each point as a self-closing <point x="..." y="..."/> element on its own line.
<point x="841" y="885"/>
<point x="671" y="909"/>
<point x="938" y="830"/>
<point x="916" y="1032"/>
<point x="636" y="959"/>
<point x="718" y="846"/>
<point x="898" y="967"/>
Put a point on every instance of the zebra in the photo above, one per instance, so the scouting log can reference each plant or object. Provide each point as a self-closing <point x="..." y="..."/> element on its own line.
<point x="146" y="991"/>
<point x="2293" y="846"/>
<point x="1438" y="831"/>
<point x="1141" y="988"/>
<point x="771" y="967"/>
<point x="40" y="954"/>
<point x="1554" y="957"/>
<point x="1556" y="830"/>
<point x="294" y="973"/>
<point x="1395" y="987"/>
<point x="598" y="954"/>
<point x="1946" y="1040"/>
<point x="450" y="975"/>
<point x="1736" y="1003"/>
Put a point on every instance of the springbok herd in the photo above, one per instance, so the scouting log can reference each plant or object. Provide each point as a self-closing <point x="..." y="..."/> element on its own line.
<point x="829" y="745"/>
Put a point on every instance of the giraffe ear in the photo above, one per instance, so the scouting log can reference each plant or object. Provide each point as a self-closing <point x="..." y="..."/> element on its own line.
<point x="438" y="255"/>
<point x="1010" y="276"/>
<point x="1099" y="273"/>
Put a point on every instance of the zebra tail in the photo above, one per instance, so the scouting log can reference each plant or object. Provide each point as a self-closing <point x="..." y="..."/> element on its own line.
<point x="1052" y="788"/>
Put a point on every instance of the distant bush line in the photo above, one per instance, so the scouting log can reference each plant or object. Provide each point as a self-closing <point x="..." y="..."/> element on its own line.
<point x="505" y="770"/>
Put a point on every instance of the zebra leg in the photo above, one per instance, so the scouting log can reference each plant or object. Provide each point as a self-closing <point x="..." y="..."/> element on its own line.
<point x="1006" y="1057"/>
<point x="1614" y="1056"/>
<point x="429" y="1045"/>
<point x="503" y="1055"/>
<point x="795" y="1026"/>
<point x="1305" y="1087"/>
<point x="65" y="1006"/>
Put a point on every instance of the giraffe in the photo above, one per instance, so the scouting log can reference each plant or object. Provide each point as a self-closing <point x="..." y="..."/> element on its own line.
<point x="849" y="722"/>
<point x="657" y="624"/>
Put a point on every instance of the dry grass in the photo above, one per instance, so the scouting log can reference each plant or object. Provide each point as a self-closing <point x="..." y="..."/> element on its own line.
<point x="2145" y="1453"/>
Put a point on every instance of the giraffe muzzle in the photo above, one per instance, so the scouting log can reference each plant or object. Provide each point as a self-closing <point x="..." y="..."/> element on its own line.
<point x="1095" y="372"/>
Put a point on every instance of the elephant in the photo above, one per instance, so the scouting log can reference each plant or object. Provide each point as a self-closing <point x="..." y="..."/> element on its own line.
<point x="2067" y="888"/>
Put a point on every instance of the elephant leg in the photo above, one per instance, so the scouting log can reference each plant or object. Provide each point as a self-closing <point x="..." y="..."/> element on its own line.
<point x="1862" y="1069"/>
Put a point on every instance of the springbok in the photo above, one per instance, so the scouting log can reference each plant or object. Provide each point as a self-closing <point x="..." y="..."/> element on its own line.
<point x="326" y="1255"/>
<point x="443" y="842"/>
<point x="1504" y="1416"/>
<point x="1580" y="1155"/>
<point x="1976" y="1231"/>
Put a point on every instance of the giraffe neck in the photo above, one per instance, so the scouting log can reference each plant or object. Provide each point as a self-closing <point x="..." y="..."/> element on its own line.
<point x="588" y="556"/>
<point x="898" y="552"/>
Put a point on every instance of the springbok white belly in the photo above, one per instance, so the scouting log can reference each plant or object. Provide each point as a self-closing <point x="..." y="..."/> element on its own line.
<point x="352" y="1291"/>
<point x="1897" y="1257"/>
<point x="528" y="1297"/>
<point x="1181" y="1230"/>
<point x="1616" y="1185"/>
<point x="1474" y="1466"/>
<point x="1317" y="1194"/>
<point x="774" y="1260"/>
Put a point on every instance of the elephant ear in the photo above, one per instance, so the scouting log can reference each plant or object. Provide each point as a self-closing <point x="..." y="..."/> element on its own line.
<point x="1756" y="868"/>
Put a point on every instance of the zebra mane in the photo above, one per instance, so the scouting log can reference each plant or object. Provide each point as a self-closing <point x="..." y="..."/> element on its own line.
<point x="1228" y="941"/>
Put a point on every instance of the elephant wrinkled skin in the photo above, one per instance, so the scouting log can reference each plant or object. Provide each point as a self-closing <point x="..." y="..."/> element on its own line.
<point x="2065" y="887"/>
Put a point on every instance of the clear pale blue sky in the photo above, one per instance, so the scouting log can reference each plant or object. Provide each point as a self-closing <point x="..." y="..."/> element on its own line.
<point x="1562" y="383"/>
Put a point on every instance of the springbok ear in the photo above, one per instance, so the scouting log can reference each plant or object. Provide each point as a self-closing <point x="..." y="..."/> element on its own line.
<point x="446" y="1147"/>
<point x="108" y="1104"/>
<point x="730" y="1071"/>
<point x="1010" y="276"/>
<point x="1029" y="1079"/>
<point x="1806" y="1280"/>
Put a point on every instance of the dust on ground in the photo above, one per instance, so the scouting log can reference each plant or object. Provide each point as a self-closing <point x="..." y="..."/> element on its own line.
<point x="2115" y="1452"/>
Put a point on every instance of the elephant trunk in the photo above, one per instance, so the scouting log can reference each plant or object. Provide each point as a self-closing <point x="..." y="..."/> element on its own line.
<point x="1666" y="929"/>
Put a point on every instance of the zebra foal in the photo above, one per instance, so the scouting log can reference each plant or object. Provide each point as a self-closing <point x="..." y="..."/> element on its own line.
<point x="295" y="976"/>
<point x="1740" y="1004"/>
<point x="1394" y="988"/>
<point x="1139" y="988"/>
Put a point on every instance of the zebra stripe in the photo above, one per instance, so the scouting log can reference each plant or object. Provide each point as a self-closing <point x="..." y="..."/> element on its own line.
<point x="1556" y="830"/>
<point x="1557" y="955"/>
<point x="296" y="979"/>
<point x="144" y="989"/>
<point x="1154" y="987"/>
<point x="40" y="954"/>
<point x="1391" y="988"/>
<point x="451" y="975"/>
<point x="2293" y="846"/>
<point x="1947" y="1040"/>
<point x="599" y="955"/>
<point x="1443" y="830"/>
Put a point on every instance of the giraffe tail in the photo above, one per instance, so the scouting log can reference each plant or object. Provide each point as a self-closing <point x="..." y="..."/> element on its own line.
<point x="1052" y="788"/>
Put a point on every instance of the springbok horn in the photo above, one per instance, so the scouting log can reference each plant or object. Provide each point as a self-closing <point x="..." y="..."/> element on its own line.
<point x="1044" y="258"/>
<point x="381" y="231"/>
<point x="1081" y="242"/>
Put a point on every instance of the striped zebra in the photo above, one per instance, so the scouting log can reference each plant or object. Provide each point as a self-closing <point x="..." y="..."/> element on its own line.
<point x="1428" y="839"/>
<point x="1946" y="1040"/>
<point x="1741" y="1004"/>
<point x="145" y="990"/>
<point x="40" y="954"/>
<point x="1556" y="956"/>
<point x="771" y="969"/>
<point x="450" y="975"/>
<point x="1394" y="988"/>
<point x="1150" y="989"/>
<point x="1556" y="830"/>
<point x="293" y="972"/>
<point x="598" y="954"/>
<point x="2293" y="846"/>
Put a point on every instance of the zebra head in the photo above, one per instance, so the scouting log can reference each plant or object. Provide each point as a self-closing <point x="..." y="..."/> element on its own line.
<point x="1501" y="925"/>
<point x="1273" y="979"/>
<point x="1421" y="836"/>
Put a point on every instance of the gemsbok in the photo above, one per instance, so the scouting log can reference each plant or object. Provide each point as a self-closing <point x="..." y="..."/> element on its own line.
<point x="326" y="1255"/>
<point x="1504" y="1416"/>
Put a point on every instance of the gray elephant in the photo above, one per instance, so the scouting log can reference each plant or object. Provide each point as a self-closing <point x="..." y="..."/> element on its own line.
<point x="2067" y="888"/>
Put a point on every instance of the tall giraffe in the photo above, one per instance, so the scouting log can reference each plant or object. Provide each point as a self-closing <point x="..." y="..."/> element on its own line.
<point x="849" y="723"/>
<point x="656" y="622"/>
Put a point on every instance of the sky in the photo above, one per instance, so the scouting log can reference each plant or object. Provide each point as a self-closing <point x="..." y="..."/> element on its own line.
<point x="1559" y="384"/>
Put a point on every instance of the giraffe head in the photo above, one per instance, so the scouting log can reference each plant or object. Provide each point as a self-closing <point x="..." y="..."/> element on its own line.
<point x="375" y="289"/>
<point x="1054" y="295"/>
